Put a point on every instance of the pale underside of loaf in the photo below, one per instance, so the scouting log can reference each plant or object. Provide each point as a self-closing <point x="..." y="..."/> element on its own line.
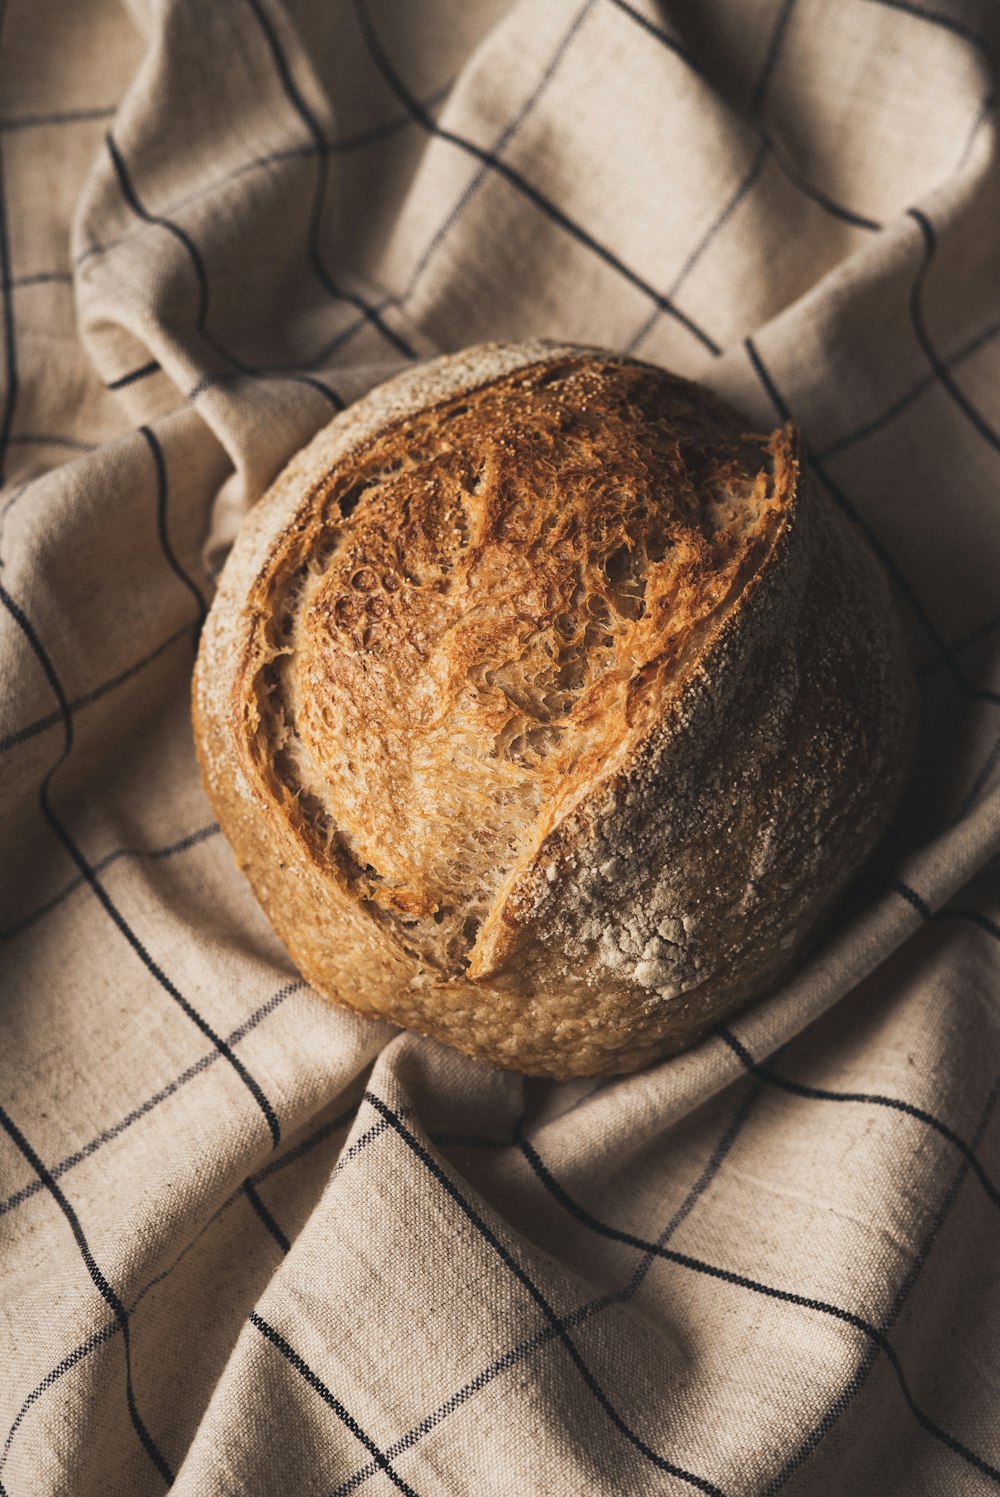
<point x="509" y="705"/>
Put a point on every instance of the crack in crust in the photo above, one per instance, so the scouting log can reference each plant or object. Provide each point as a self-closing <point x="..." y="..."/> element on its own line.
<point x="547" y="709"/>
<point x="481" y="612"/>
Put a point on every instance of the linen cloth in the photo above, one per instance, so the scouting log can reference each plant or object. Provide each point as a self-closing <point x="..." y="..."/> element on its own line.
<point x="253" y="1244"/>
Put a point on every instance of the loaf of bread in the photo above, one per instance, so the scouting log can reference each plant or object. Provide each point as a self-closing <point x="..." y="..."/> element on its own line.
<point x="547" y="707"/>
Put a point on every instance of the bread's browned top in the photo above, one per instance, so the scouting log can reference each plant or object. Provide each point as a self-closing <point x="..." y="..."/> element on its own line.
<point x="480" y="608"/>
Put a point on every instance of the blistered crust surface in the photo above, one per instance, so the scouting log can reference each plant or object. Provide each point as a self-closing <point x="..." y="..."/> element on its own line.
<point x="509" y="706"/>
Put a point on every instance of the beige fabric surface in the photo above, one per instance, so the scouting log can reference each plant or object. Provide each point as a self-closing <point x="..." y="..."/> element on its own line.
<point x="254" y="1245"/>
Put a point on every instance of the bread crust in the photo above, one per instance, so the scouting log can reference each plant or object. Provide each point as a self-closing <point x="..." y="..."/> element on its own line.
<point x="667" y="771"/>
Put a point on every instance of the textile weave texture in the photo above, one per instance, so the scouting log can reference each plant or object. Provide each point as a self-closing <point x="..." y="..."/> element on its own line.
<point x="250" y="1243"/>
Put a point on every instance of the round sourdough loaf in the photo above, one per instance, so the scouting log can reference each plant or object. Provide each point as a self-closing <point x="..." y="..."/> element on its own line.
<point x="547" y="707"/>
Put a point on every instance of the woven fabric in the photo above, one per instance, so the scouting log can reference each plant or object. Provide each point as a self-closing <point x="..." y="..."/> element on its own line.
<point x="252" y="1244"/>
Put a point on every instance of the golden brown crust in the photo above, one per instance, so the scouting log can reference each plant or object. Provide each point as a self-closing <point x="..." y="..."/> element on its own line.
<point x="546" y="708"/>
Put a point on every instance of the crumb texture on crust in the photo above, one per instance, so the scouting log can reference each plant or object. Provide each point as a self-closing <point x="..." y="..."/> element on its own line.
<point x="484" y="608"/>
<point x="546" y="709"/>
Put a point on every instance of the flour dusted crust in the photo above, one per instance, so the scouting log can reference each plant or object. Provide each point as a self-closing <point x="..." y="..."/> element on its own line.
<point x="548" y="708"/>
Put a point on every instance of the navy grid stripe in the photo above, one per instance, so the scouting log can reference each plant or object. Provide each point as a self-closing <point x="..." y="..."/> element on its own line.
<point x="711" y="233"/>
<point x="318" y="1386"/>
<point x="771" y="57"/>
<point x="301" y="152"/>
<point x="57" y="117"/>
<point x="9" y="331"/>
<point x="162" y="496"/>
<point x="785" y="1296"/>
<point x="543" y="1337"/>
<point x="107" y="1293"/>
<point x="980" y="781"/>
<point x="85" y="1348"/>
<point x="469" y="1211"/>
<point x="143" y="372"/>
<point x="903" y="584"/>
<point x="43" y="278"/>
<point x="98" y="888"/>
<point x="42" y="724"/>
<point x="522" y="185"/>
<point x="51" y="1378"/>
<point x="847" y="1395"/>
<point x="947" y="912"/>
<point x="307" y="117"/>
<point x="941" y="371"/>
<point x="193" y="839"/>
<point x="151" y="1103"/>
<point x="253" y="1196"/>
<point x="920" y="387"/>
<point x="131" y="197"/>
<point x="935" y="18"/>
<point x="784" y="163"/>
<point x="868" y="1099"/>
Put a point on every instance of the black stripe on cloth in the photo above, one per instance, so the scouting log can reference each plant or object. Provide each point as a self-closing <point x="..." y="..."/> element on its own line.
<point x="101" y="894"/>
<point x="522" y="185"/>
<point x="318" y="1386"/>
<point x="131" y="197"/>
<point x="191" y="840"/>
<point x="963" y="642"/>
<point x="9" y="331"/>
<point x="43" y="278"/>
<point x="904" y="586"/>
<point x="922" y="385"/>
<point x="847" y="1394"/>
<point x="530" y="1344"/>
<point x="710" y="234"/>
<point x="868" y="1099"/>
<point x="523" y="1278"/>
<point x="979" y="783"/>
<point x="172" y="1087"/>
<point x="787" y="166"/>
<point x="162" y="494"/>
<point x="947" y="912"/>
<point x="252" y="1195"/>
<point x="771" y="58"/>
<point x="41" y="724"/>
<point x="112" y="1328"/>
<point x="935" y="18"/>
<point x="50" y="1379"/>
<point x="107" y="1293"/>
<point x="57" y="117"/>
<point x="944" y="378"/>
<point x="307" y="117"/>
<point x="496" y="146"/>
<point x="134" y="375"/>
<point x="770" y="1291"/>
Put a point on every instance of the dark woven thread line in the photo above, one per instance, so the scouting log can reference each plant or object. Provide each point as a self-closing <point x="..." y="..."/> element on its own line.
<point x="515" y="1268"/>
<point x="253" y="1196"/>
<point x="9" y="328"/>
<point x="903" y="585"/>
<point x="769" y="1291"/>
<point x="85" y="1348"/>
<point x="522" y="185"/>
<point x="98" y="888"/>
<point x="935" y="18"/>
<point x="78" y="881"/>
<point x="51" y="719"/>
<point x="172" y="1087"/>
<point x="162" y="499"/>
<point x="868" y="1099"/>
<point x="771" y="56"/>
<point x="50" y="439"/>
<point x="305" y="114"/>
<point x="785" y="165"/>
<point x="318" y="1386"/>
<point x="864" y="1368"/>
<point x="57" y="117"/>
<point x="524" y="1348"/>
<point x="101" y="1284"/>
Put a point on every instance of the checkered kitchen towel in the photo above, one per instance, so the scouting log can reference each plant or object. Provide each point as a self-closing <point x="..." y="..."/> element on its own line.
<point x="250" y="1244"/>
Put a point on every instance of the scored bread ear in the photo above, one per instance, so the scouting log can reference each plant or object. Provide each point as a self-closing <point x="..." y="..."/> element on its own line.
<point x="547" y="709"/>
